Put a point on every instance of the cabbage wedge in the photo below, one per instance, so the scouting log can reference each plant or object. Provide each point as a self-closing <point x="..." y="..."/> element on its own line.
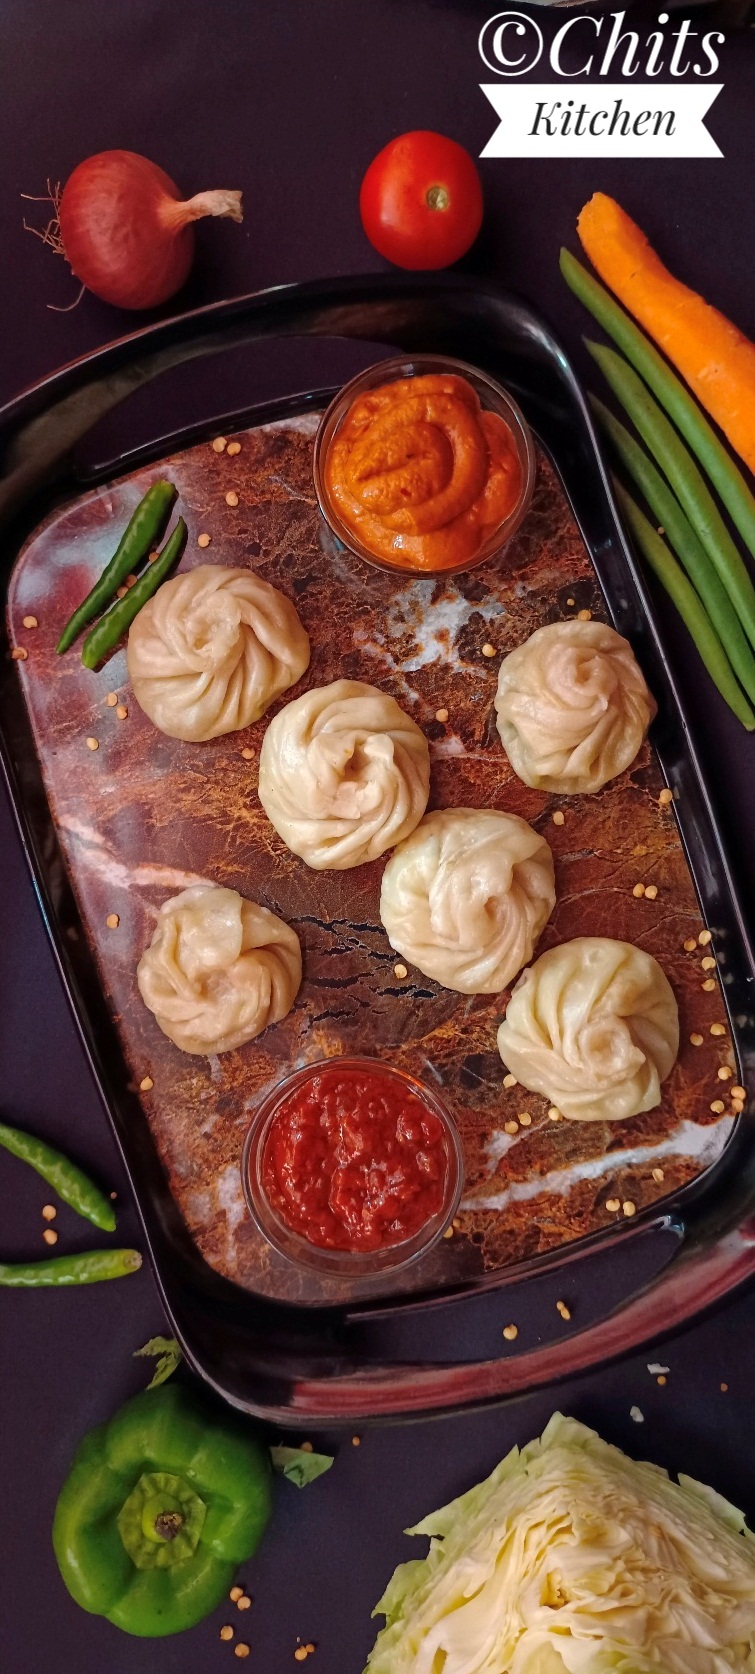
<point x="572" y="1559"/>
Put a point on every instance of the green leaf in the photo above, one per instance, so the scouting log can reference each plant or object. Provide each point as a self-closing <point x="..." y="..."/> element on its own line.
<point x="168" y="1354"/>
<point x="299" y="1465"/>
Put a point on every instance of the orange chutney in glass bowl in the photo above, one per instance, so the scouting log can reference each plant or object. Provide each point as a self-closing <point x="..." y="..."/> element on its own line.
<point x="429" y="472"/>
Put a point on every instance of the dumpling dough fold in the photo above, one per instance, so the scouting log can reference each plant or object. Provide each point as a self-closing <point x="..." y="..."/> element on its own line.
<point x="218" y="970"/>
<point x="594" y="1026"/>
<point x="211" y="650"/>
<point x="344" y="774"/>
<point x="466" y="896"/>
<point x="572" y="707"/>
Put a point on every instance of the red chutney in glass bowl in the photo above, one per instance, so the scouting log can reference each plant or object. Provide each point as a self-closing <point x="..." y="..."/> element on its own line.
<point x="353" y="1159"/>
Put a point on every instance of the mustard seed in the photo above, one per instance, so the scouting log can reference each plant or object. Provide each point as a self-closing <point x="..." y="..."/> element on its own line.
<point x="400" y="971"/>
<point x="613" y="1204"/>
<point x="718" y="1106"/>
<point x="30" y="622"/>
<point x="705" y="937"/>
<point x="441" y="714"/>
<point x="584" y="615"/>
<point x="708" y="985"/>
<point x="509" y="1080"/>
<point x="121" y="712"/>
<point x="226" y="1632"/>
<point x="231" y="498"/>
<point x="111" y="700"/>
<point x="49" y="1212"/>
<point x="145" y="1086"/>
<point x="510" y="1332"/>
<point x="639" y="889"/>
<point x="204" y="540"/>
<point x="629" y="1208"/>
<point x="717" y="1029"/>
<point x="666" y="797"/>
<point x="19" y="654"/>
<point x="219" y="444"/>
<point x="558" y="818"/>
<point x="651" y="892"/>
<point x="488" y="650"/>
<point x="696" y="1040"/>
<point x="93" y="744"/>
<point x="233" y="448"/>
<point x="690" y="945"/>
<point x="49" y="1236"/>
<point x="658" y="1175"/>
<point x="112" y="921"/>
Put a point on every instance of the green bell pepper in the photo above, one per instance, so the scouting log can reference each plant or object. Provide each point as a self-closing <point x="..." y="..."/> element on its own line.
<point x="160" y="1507"/>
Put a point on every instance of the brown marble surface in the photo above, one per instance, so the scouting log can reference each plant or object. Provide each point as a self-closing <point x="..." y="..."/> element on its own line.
<point x="143" y="816"/>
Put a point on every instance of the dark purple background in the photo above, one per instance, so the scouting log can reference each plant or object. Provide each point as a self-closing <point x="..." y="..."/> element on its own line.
<point x="289" y="102"/>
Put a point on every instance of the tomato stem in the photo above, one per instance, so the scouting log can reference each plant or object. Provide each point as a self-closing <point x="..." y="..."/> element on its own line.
<point x="437" y="197"/>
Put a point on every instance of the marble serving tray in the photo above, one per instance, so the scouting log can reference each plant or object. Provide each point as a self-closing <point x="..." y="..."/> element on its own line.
<point x="142" y="816"/>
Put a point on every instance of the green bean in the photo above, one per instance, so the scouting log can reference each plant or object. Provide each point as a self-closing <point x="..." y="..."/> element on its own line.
<point x="70" y="1182"/>
<point x="682" y="407"/>
<point x="683" y="595"/>
<point x="86" y="1269"/>
<point x="109" y="630"/>
<point x="680" y="533"/>
<point x="144" y="528"/>
<point x="685" y="478"/>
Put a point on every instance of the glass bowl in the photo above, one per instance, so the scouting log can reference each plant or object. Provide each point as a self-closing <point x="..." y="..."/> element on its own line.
<point x="347" y="1264"/>
<point x="492" y="397"/>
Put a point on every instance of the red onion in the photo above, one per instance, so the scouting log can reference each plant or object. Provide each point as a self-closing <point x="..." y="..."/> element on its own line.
<point x="125" y="231"/>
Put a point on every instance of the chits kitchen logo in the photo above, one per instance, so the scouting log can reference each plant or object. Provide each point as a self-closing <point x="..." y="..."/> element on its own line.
<point x="610" y="118"/>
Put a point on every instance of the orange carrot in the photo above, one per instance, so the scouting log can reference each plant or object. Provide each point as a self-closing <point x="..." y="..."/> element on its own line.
<point x="714" y="357"/>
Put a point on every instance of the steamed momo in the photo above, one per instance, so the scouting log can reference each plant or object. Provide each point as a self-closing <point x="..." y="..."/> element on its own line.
<point x="572" y="707"/>
<point x="211" y="650"/>
<point x="594" y="1026"/>
<point x="344" y="774"/>
<point x="218" y="970"/>
<point x="466" y="896"/>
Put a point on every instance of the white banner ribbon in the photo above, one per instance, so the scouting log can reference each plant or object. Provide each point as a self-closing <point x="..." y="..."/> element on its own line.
<point x="612" y="120"/>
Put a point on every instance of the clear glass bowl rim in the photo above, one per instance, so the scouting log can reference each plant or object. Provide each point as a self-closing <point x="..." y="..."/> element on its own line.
<point x="406" y="366"/>
<point x="360" y="1264"/>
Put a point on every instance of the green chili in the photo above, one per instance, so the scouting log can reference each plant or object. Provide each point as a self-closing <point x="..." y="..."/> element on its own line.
<point x="679" y="532"/>
<point x="682" y="593"/>
<point x="86" y="1269"/>
<point x="670" y="453"/>
<point x="70" y="1182"/>
<point x="109" y="630"/>
<point x="724" y="473"/>
<point x="144" y="529"/>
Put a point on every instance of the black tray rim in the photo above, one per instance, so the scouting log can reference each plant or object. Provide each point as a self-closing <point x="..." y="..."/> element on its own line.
<point x="710" y="1218"/>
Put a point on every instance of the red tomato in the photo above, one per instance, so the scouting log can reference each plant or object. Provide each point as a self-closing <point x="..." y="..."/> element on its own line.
<point x="421" y="201"/>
